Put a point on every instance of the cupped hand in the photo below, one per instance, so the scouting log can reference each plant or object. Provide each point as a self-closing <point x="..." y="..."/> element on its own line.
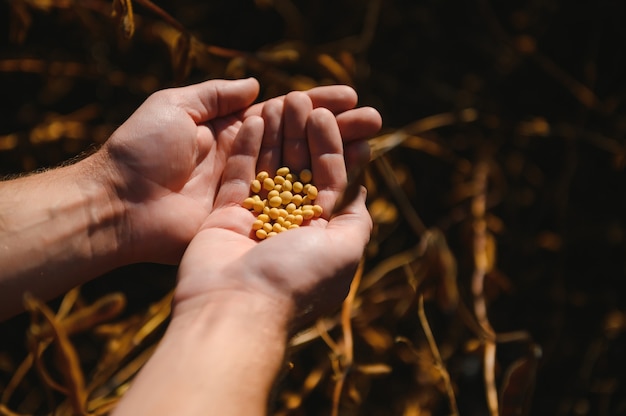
<point x="304" y="271"/>
<point x="167" y="160"/>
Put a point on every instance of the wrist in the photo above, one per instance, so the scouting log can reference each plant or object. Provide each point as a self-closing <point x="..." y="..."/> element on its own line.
<point x="220" y="358"/>
<point x="106" y="215"/>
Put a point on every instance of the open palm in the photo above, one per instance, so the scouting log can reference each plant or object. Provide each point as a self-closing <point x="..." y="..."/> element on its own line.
<point x="311" y="266"/>
<point x="169" y="156"/>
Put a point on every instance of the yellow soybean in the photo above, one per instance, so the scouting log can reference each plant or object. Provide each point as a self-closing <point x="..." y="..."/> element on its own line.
<point x="318" y="210"/>
<point x="312" y="192"/>
<point x="306" y="176"/>
<point x="274" y="213"/>
<point x="286" y="197"/>
<point x="297" y="199"/>
<point x="307" y="214"/>
<point x="255" y="186"/>
<point x="297" y="187"/>
<point x="268" y="184"/>
<point x="275" y="201"/>
<point x="258" y="206"/>
<point x="288" y="204"/>
<point x="248" y="203"/>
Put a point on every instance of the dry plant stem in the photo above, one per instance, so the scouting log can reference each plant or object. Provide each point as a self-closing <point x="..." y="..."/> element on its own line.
<point x="67" y="357"/>
<point x="435" y="351"/>
<point x="348" y="344"/>
<point x="415" y="222"/>
<point x="481" y="262"/>
<point x="64" y="309"/>
<point x="103" y="309"/>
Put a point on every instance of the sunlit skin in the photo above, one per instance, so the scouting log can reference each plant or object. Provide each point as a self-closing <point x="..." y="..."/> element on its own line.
<point x="168" y="187"/>
<point x="143" y="196"/>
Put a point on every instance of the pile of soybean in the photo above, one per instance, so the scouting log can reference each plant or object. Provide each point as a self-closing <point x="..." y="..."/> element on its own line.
<point x="282" y="202"/>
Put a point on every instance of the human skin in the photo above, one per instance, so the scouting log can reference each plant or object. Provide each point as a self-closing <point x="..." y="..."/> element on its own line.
<point x="145" y="193"/>
<point x="237" y="299"/>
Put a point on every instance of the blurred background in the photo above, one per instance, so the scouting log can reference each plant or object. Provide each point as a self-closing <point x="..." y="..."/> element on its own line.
<point x="493" y="280"/>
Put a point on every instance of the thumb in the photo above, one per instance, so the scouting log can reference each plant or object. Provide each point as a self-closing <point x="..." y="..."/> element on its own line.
<point x="215" y="98"/>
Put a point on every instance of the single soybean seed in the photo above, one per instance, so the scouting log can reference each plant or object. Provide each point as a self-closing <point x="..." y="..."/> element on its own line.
<point x="306" y="176"/>
<point x="286" y="197"/>
<point x="274" y="213"/>
<point x="255" y="186"/>
<point x="287" y="185"/>
<point x="263" y="217"/>
<point x="268" y="184"/>
<point x="297" y="199"/>
<point x="297" y="187"/>
<point x="248" y="203"/>
<point x="262" y="175"/>
<point x="317" y="210"/>
<point x="258" y="206"/>
<point x="279" y="179"/>
<point x="282" y="171"/>
<point x="271" y="234"/>
<point x="275" y="201"/>
<point x="312" y="192"/>
<point x="261" y="234"/>
<point x="271" y="194"/>
<point x="257" y="224"/>
<point x="307" y="214"/>
<point x="267" y="227"/>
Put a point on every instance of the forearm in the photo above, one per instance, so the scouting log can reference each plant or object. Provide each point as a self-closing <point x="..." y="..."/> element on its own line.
<point x="58" y="229"/>
<point x="221" y="361"/>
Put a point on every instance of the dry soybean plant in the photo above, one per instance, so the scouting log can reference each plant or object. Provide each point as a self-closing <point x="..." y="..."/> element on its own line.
<point x="489" y="285"/>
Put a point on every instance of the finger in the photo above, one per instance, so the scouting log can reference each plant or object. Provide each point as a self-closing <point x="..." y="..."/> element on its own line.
<point x="357" y="155"/>
<point x="327" y="159"/>
<point x="240" y="166"/>
<point x="353" y="222"/>
<point x="215" y="98"/>
<point x="359" y="123"/>
<point x="271" y="147"/>
<point x="336" y="98"/>
<point x="295" y="152"/>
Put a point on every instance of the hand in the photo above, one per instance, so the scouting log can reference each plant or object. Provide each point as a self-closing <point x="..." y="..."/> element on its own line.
<point x="166" y="160"/>
<point x="303" y="271"/>
<point x="238" y="300"/>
